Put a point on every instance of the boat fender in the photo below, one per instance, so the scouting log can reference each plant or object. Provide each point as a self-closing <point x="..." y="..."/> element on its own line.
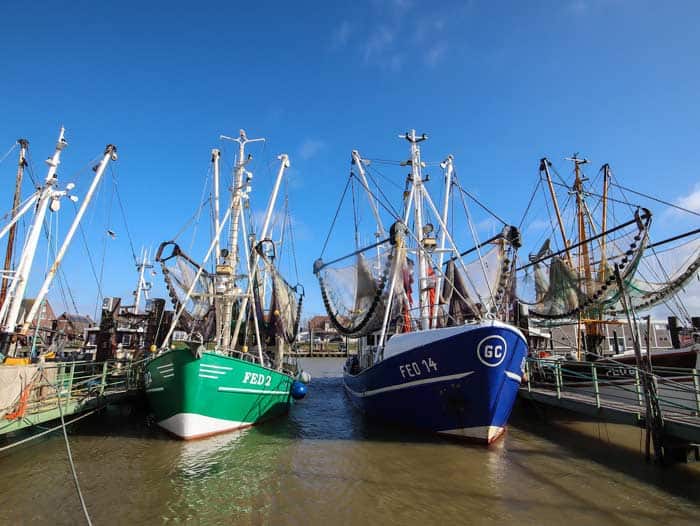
<point x="304" y="377"/>
<point x="298" y="390"/>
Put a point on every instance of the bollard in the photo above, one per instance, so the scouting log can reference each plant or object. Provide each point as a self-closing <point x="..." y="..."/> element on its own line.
<point x="594" y="373"/>
<point x="638" y="387"/>
<point x="557" y="372"/>
<point x="696" y="383"/>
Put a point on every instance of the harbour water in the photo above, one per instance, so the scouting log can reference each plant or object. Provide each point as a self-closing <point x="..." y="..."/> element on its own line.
<point x="325" y="465"/>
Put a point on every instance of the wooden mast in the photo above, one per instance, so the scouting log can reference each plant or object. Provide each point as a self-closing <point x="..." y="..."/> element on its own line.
<point x="604" y="223"/>
<point x="544" y="167"/>
<point x="584" y="267"/>
<point x="23" y="147"/>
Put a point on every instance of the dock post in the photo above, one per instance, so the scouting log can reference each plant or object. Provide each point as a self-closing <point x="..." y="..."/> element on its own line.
<point x="596" y="389"/>
<point x="527" y="371"/>
<point x="103" y="380"/>
<point x="696" y="383"/>
<point x="70" y="380"/>
<point x="638" y="386"/>
<point x="557" y="372"/>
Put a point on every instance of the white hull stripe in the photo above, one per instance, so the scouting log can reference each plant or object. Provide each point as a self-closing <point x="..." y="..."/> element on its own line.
<point x="204" y="365"/>
<point x="170" y="375"/>
<point x="192" y="425"/>
<point x="254" y="391"/>
<point x="155" y="389"/>
<point x="407" y="385"/>
<point x="513" y="376"/>
<point x="208" y="376"/>
<point x="487" y="433"/>
<point x="167" y="366"/>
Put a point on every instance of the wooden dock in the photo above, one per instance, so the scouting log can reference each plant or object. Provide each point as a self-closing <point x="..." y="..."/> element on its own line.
<point x="321" y="354"/>
<point x="620" y="398"/>
<point x="69" y="388"/>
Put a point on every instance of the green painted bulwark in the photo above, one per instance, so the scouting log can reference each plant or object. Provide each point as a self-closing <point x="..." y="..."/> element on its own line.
<point x="193" y="397"/>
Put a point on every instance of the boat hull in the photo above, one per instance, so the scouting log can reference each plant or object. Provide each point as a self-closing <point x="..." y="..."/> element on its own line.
<point x="458" y="381"/>
<point x="196" y="397"/>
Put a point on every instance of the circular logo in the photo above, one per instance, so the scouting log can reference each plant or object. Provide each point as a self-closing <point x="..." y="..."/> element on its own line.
<point x="491" y="351"/>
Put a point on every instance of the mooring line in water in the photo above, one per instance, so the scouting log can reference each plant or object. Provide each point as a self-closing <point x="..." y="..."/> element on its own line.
<point x="45" y="432"/>
<point x="70" y="457"/>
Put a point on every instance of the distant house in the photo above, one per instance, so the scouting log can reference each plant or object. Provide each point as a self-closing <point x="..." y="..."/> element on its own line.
<point x="73" y="325"/>
<point x="322" y="327"/>
<point x="44" y="318"/>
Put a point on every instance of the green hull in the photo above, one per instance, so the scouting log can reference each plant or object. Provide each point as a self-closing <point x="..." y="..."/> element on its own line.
<point x="193" y="398"/>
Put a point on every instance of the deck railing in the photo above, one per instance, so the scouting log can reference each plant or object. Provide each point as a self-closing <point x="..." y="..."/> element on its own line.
<point x="74" y="384"/>
<point x="677" y="390"/>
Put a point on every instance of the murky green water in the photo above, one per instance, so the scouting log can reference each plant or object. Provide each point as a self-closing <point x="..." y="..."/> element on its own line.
<point x="325" y="465"/>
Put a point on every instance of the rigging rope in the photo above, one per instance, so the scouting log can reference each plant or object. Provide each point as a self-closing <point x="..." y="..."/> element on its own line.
<point x="484" y="207"/>
<point x="529" y="204"/>
<point x="30" y="170"/>
<point x="656" y="199"/>
<point x="9" y="152"/>
<point x="335" y="217"/>
<point x="70" y="455"/>
<point x="89" y="256"/>
<point x="121" y="207"/>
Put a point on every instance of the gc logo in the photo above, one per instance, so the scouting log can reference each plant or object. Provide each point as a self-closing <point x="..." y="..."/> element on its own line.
<point x="491" y="351"/>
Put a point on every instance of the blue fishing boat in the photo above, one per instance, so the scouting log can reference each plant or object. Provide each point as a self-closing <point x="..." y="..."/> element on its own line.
<point x="459" y="381"/>
<point x="444" y="359"/>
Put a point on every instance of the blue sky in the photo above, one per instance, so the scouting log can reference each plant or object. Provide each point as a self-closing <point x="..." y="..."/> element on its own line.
<point x="497" y="84"/>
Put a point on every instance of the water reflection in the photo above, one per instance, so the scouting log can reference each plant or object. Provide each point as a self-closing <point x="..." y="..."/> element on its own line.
<point x="325" y="465"/>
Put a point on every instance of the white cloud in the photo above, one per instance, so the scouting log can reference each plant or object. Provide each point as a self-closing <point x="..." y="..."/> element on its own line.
<point x="378" y="42"/>
<point x="578" y="7"/>
<point x="690" y="201"/>
<point x="435" y="53"/>
<point x="538" y="224"/>
<point x="390" y="34"/>
<point x="342" y="34"/>
<point x="488" y="226"/>
<point x="309" y="148"/>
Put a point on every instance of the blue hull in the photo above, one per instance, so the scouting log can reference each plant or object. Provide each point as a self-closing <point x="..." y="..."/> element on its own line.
<point x="460" y="381"/>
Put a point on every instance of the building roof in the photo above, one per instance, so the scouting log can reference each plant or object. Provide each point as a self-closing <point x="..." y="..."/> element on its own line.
<point x="75" y="318"/>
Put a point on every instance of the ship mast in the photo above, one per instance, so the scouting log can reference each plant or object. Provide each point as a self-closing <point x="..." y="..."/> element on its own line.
<point x="584" y="264"/>
<point x="23" y="147"/>
<point x="604" y="223"/>
<point x="544" y="167"/>
<point x="142" y="285"/>
<point x="9" y="313"/>
<point x="252" y="270"/>
<point x="417" y="180"/>
<point x="110" y="154"/>
<point x="226" y="272"/>
<point x="448" y="167"/>
<point x="215" y="158"/>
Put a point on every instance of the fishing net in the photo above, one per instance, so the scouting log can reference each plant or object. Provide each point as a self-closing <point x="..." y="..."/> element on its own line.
<point x="180" y="273"/>
<point x="654" y="283"/>
<point x="352" y="293"/>
<point x="562" y="285"/>
<point x="356" y="294"/>
<point x="478" y="286"/>
<point x="285" y="308"/>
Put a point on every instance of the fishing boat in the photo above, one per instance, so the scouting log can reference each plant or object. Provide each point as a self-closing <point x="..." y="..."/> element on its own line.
<point x="444" y="360"/>
<point x="592" y="279"/>
<point x="206" y="381"/>
<point x="594" y="286"/>
<point x="33" y="392"/>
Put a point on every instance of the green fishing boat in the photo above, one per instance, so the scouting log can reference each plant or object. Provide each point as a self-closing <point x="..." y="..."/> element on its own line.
<point x="205" y="381"/>
<point x="197" y="397"/>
